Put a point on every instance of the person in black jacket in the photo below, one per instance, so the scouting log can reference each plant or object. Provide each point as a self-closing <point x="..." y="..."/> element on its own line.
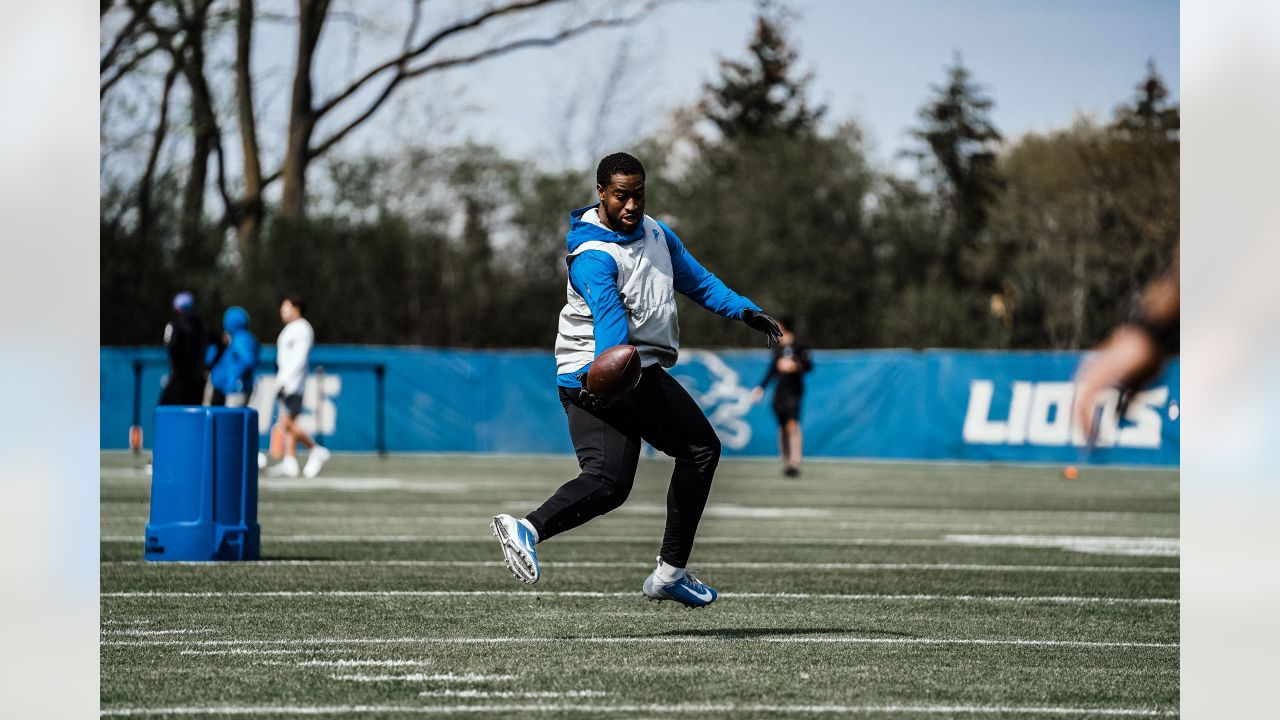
<point x="185" y="340"/>
<point x="791" y="360"/>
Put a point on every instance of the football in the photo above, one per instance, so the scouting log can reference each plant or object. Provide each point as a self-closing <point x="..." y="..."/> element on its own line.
<point x="614" y="373"/>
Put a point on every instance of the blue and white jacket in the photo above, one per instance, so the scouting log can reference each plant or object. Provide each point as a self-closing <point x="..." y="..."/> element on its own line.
<point x="621" y="290"/>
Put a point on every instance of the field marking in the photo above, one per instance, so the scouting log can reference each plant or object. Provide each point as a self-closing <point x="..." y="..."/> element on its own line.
<point x="411" y="524"/>
<point x="135" y="631"/>
<point x="327" y="482"/>
<point x="1168" y="546"/>
<point x="360" y="663"/>
<point x="678" y="639"/>
<point x="964" y="567"/>
<point x="512" y="694"/>
<point x="359" y="484"/>
<point x="393" y="510"/>
<point x="732" y="510"/>
<point x="1096" y="545"/>
<point x="421" y="677"/>
<point x="663" y="710"/>
<point x="1019" y="599"/>
<point x="250" y="651"/>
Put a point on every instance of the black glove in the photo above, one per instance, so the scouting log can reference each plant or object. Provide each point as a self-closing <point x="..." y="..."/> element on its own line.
<point x="590" y="400"/>
<point x="765" y="324"/>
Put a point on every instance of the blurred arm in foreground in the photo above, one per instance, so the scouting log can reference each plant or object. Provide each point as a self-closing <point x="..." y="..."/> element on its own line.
<point x="1134" y="352"/>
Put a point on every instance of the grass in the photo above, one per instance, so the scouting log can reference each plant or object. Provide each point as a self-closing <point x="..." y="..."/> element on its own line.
<point x="858" y="590"/>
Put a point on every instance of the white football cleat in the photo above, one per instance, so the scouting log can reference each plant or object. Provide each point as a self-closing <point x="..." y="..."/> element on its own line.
<point x="288" y="467"/>
<point x="517" y="548"/>
<point x="315" y="460"/>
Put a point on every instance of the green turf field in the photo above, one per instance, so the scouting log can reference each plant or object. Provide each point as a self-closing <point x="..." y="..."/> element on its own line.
<point x="858" y="590"/>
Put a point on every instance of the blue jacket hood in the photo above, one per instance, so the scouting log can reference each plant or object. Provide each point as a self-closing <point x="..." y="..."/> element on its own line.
<point x="235" y="319"/>
<point x="581" y="231"/>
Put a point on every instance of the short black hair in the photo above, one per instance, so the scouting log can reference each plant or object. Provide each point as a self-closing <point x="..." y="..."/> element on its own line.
<point x="788" y="322"/>
<point x="296" y="301"/>
<point x="617" y="164"/>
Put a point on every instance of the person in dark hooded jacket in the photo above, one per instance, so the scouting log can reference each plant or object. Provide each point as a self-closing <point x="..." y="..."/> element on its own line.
<point x="184" y="340"/>
<point x="232" y="371"/>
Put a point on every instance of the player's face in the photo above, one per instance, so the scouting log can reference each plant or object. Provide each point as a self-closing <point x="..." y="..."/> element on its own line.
<point x="623" y="202"/>
<point x="288" y="313"/>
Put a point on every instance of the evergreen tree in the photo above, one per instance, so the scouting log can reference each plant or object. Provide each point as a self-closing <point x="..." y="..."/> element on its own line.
<point x="1151" y="116"/>
<point x="962" y="143"/>
<point x="759" y="96"/>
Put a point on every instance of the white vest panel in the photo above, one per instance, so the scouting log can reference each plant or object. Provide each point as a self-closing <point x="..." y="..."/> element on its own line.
<point x="647" y="286"/>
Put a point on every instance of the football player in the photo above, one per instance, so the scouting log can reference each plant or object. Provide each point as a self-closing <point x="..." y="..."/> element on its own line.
<point x="625" y="268"/>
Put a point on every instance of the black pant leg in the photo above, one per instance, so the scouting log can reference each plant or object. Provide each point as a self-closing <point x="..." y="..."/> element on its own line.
<point x="786" y="404"/>
<point x="672" y="422"/>
<point x="182" y="389"/>
<point x="608" y="447"/>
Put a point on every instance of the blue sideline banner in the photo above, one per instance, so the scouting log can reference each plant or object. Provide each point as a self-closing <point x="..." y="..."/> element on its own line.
<point x="893" y="404"/>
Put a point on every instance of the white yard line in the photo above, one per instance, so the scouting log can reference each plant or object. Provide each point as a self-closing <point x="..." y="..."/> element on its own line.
<point x="1019" y="599"/>
<point x="1097" y="545"/>
<point x="251" y="651"/>
<point x="109" y="632"/>
<point x="421" y="677"/>
<point x="674" y="639"/>
<point x="360" y="485"/>
<point x="511" y="694"/>
<point x="656" y="709"/>
<point x="362" y="663"/>
<point x="860" y="567"/>
<point x="1163" y="543"/>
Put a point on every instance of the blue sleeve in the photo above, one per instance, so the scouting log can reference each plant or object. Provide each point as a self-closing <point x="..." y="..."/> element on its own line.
<point x="244" y="354"/>
<point x="594" y="275"/>
<point x="699" y="284"/>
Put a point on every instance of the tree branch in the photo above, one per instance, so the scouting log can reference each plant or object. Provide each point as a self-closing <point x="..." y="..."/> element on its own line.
<point x="403" y="59"/>
<point x="447" y="63"/>
<point x="414" y="19"/>
<point x="153" y="158"/>
<point x="127" y="68"/>
<point x="126" y="34"/>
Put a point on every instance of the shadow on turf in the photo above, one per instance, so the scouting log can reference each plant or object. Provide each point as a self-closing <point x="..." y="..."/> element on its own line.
<point x="747" y="633"/>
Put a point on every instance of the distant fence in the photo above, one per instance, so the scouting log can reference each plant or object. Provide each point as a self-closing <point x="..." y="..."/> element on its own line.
<point x="931" y="405"/>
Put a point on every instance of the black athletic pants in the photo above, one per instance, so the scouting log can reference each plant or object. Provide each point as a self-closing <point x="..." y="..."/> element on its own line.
<point x="607" y="442"/>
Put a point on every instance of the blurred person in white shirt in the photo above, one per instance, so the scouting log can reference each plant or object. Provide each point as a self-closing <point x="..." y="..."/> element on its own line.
<point x="293" y="349"/>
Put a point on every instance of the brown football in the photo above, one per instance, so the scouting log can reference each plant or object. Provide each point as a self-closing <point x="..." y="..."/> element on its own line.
<point x="614" y="373"/>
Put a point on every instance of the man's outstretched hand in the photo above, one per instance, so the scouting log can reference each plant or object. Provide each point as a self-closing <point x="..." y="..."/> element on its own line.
<point x="759" y="321"/>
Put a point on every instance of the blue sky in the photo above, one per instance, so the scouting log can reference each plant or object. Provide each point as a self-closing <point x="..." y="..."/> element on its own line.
<point x="1042" y="62"/>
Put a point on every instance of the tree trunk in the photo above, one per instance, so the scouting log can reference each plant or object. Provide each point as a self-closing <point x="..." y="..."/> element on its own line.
<point x="249" y="217"/>
<point x="197" y="182"/>
<point x="302" y="114"/>
<point x="203" y="130"/>
<point x="1079" y="294"/>
<point x="145" y="216"/>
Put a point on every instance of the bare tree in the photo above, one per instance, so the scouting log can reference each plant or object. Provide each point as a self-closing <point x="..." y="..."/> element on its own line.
<point x="180" y="29"/>
<point x="415" y="60"/>
<point x="248" y="215"/>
